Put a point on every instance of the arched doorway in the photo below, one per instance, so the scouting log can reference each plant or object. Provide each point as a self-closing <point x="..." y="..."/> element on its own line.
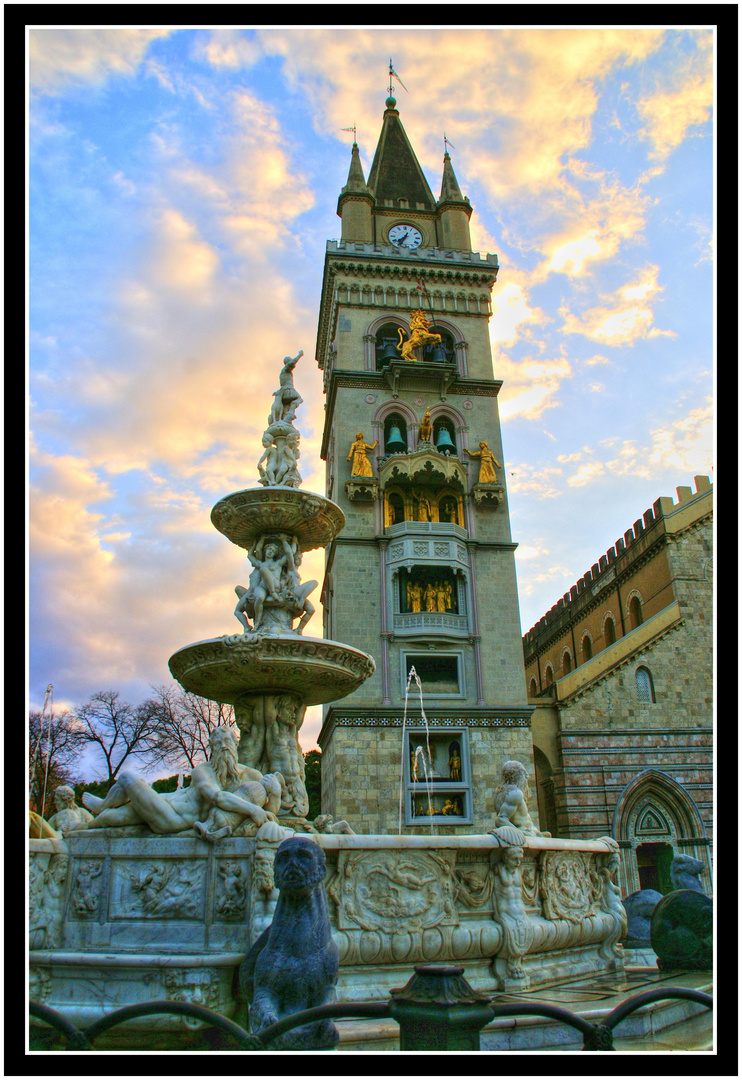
<point x="655" y="819"/>
<point x="545" y="792"/>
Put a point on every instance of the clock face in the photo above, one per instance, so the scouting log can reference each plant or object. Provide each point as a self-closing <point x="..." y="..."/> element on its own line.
<point x="405" y="236"/>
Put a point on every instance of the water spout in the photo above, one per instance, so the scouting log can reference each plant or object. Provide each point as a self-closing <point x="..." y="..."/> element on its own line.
<point x="420" y="755"/>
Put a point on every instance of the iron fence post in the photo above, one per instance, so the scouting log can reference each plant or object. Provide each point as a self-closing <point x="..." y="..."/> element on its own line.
<point x="439" y="1010"/>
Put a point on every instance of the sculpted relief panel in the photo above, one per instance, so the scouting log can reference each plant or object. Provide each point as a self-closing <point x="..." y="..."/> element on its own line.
<point x="167" y="889"/>
<point x="569" y="890"/>
<point x="378" y="890"/>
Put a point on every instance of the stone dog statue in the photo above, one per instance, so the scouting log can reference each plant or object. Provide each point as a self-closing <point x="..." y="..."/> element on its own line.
<point x="293" y="965"/>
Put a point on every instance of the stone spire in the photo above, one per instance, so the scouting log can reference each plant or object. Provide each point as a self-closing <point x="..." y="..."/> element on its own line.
<point x="454" y="210"/>
<point x="450" y="190"/>
<point x="356" y="180"/>
<point x="356" y="203"/>
<point x="395" y="173"/>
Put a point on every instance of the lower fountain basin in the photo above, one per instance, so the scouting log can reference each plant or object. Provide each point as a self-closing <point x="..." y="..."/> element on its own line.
<point x="226" y="669"/>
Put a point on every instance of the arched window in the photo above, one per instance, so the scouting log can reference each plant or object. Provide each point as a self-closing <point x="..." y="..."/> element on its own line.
<point x="567" y="661"/>
<point x="532" y="688"/>
<point x="635" y="612"/>
<point x="395" y="434"/>
<point x="548" y="675"/>
<point x="609" y="630"/>
<point x="444" y="435"/>
<point x="644" y="686"/>
<point x="587" y="648"/>
<point x="387" y="344"/>
<point x="449" y="510"/>
<point x="441" y="351"/>
<point x="396" y="508"/>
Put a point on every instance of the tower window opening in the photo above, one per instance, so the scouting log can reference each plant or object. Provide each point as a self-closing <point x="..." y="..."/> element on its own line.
<point x="395" y="434"/>
<point x="587" y="648"/>
<point x="428" y="589"/>
<point x="439" y="675"/>
<point x="567" y="661"/>
<point x="645" y="686"/>
<point x="609" y="631"/>
<point x="387" y="345"/>
<point x="635" y="612"/>
<point x="444" y="436"/>
<point x="439" y="352"/>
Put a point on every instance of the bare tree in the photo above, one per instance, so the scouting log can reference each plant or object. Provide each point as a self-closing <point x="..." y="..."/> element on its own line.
<point x="54" y="750"/>
<point x="117" y="730"/>
<point x="184" y="724"/>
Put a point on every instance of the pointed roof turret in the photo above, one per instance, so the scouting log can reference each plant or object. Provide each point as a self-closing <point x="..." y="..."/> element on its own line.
<point x="356" y="180"/>
<point x="395" y="173"/>
<point x="450" y="190"/>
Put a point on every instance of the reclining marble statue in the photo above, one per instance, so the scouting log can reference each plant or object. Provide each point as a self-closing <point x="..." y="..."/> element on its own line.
<point x="221" y="784"/>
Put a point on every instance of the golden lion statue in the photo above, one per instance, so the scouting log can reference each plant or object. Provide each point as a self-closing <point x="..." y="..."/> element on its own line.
<point x="419" y="335"/>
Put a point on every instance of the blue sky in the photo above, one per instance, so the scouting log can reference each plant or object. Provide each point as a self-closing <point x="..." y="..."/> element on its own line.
<point x="182" y="185"/>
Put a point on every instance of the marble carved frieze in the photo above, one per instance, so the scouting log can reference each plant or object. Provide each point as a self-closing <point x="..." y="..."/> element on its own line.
<point x="383" y="890"/>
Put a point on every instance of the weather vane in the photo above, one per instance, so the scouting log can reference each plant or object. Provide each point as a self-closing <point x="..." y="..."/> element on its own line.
<point x="353" y="129"/>
<point x="446" y="144"/>
<point x="393" y="74"/>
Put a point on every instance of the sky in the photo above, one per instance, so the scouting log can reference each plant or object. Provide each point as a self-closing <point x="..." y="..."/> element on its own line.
<point x="182" y="185"/>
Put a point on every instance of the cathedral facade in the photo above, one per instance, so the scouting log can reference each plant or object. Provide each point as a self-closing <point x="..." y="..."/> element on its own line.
<point x="620" y="670"/>
<point x="423" y="575"/>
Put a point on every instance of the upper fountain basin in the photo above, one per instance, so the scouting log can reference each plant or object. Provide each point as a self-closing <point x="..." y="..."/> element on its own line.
<point x="228" y="668"/>
<point x="244" y="516"/>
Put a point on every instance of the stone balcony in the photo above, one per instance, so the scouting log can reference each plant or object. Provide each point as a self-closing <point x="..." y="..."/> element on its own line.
<point x="411" y="623"/>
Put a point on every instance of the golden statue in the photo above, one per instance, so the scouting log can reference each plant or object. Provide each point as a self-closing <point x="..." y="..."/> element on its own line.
<point x="419" y="335"/>
<point x="487" y="463"/>
<point x="361" y="465"/>
<point x="454" y="766"/>
<point x="426" y="427"/>
<point x="414" y="596"/>
<point x="452" y="806"/>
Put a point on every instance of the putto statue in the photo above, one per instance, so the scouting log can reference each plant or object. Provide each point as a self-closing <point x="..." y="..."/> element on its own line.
<point x="510" y="800"/>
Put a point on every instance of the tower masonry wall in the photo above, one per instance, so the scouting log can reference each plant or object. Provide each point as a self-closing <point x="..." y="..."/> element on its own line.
<point x="367" y="788"/>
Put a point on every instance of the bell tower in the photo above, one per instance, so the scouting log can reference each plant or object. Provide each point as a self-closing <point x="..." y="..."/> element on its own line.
<point x="423" y="576"/>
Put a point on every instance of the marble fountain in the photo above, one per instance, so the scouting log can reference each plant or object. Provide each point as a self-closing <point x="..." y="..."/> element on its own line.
<point x="160" y="897"/>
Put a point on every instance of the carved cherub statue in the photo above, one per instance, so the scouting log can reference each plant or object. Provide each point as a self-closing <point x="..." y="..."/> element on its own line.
<point x="510" y="800"/>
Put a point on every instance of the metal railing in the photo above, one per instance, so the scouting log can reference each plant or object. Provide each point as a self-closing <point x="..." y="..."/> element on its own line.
<point x="437" y="1010"/>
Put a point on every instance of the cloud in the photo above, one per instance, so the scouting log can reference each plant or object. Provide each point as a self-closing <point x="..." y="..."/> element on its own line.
<point x="227" y="49"/>
<point x="530" y="385"/>
<point x="62" y="58"/>
<point x="511" y="311"/>
<point x="684" y="101"/>
<point x="623" y="318"/>
<point x="684" y="444"/>
<point x="539" y="481"/>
